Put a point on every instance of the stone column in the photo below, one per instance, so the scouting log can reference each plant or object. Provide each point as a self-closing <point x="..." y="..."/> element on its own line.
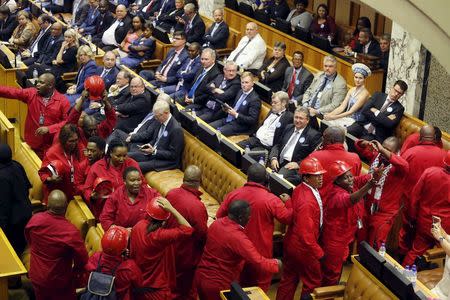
<point x="406" y="62"/>
<point x="207" y="6"/>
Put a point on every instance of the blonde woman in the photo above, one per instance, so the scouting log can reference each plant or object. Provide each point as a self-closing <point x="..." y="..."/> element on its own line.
<point x="86" y="67"/>
<point x="350" y="109"/>
<point x="66" y="58"/>
<point x="24" y="32"/>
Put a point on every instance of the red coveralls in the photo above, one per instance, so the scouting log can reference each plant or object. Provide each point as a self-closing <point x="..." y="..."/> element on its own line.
<point x="339" y="228"/>
<point x="54" y="245"/>
<point x="227" y="248"/>
<point x="302" y="251"/>
<point x="127" y="273"/>
<point x="264" y="207"/>
<point x="329" y="154"/>
<point x="419" y="158"/>
<point x="379" y="224"/>
<point x="54" y="115"/>
<point x="413" y="140"/>
<point x="106" y="170"/>
<point x="56" y="152"/>
<point x="187" y="202"/>
<point x="430" y="197"/>
<point x="120" y="211"/>
<point x="152" y="253"/>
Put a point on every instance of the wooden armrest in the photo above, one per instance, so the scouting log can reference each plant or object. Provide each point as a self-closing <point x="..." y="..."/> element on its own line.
<point x="435" y="253"/>
<point x="150" y="64"/>
<point x="69" y="76"/>
<point x="331" y="291"/>
<point x="224" y="51"/>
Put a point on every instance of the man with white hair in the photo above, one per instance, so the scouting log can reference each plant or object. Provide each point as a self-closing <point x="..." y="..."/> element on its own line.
<point x="164" y="146"/>
<point x="194" y="27"/>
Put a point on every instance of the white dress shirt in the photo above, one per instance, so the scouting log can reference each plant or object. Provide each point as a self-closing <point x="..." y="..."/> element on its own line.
<point x="253" y="55"/>
<point x="108" y="37"/>
<point x="266" y="132"/>
<point x="290" y="145"/>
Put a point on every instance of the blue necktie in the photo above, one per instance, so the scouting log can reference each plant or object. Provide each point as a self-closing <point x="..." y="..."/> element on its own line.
<point x="236" y="107"/>
<point x="196" y="84"/>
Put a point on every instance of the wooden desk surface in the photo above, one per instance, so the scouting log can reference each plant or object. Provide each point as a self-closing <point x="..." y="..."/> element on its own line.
<point x="10" y="264"/>
<point x="254" y="293"/>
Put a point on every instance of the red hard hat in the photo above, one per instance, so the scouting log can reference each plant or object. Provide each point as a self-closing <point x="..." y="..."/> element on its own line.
<point x="155" y="211"/>
<point x="56" y="167"/>
<point x="95" y="85"/>
<point x="103" y="187"/>
<point x="311" y="165"/>
<point x="447" y="159"/>
<point x="338" y="168"/>
<point x="115" y="240"/>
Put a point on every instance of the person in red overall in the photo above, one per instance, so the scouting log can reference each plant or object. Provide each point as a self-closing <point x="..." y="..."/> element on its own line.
<point x="95" y="150"/>
<point x="186" y="200"/>
<point x="151" y="248"/>
<point x="302" y="251"/>
<point x="47" y="111"/>
<point x="126" y="205"/>
<point x="67" y="152"/>
<point x="333" y="149"/>
<point x="58" y="254"/>
<point x="110" y="168"/>
<point x="264" y="207"/>
<point x="414" y="139"/>
<point x="227" y="249"/>
<point x="383" y="202"/>
<point x="420" y="157"/>
<point x="113" y="258"/>
<point x="343" y="216"/>
<point x="430" y="197"/>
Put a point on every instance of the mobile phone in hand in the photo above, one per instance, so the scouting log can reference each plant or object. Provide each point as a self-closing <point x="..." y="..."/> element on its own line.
<point x="436" y="220"/>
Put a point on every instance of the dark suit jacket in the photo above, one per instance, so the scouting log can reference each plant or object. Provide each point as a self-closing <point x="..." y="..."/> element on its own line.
<point x="383" y="124"/>
<point x="248" y="114"/>
<point x="120" y="98"/>
<point x="7" y="27"/>
<point x="110" y="77"/>
<point x="285" y="119"/>
<point x="196" y="32"/>
<point x="304" y="81"/>
<point x="187" y="72"/>
<point x="231" y="88"/>
<point x="312" y="138"/>
<point x="278" y="11"/>
<point x="50" y="50"/>
<point x="168" y="21"/>
<point x="172" y="73"/>
<point x="121" y="31"/>
<point x="374" y="48"/>
<point x="220" y="37"/>
<point x="81" y="14"/>
<point x="145" y="133"/>
<point x="275" y="76"/>
<point x="203" y="90"/>
<point x="136" y="108"/>
<point x="41" y="43"/>
<point x="103" y="22"/>
<point x="84" y="72"/>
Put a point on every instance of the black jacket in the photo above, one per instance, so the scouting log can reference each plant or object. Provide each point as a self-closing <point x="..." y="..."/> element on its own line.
<point x="7" y="27"/>
<point x="374" y="48"/>
<point x="202" y="92"/>
<point x="220" y="37"/>
<point x="135" y="108"/>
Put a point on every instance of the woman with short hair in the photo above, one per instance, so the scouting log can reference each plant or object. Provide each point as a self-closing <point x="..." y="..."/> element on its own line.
<point x="24" y="33"/>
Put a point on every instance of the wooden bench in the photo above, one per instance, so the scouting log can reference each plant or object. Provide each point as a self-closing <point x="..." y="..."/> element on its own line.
<point x="79" y="215"/>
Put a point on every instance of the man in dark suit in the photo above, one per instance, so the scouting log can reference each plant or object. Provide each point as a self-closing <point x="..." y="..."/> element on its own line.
<point x="109" y="70"/>
<point x="116" y="33"/>
<point x="197" y="96"/>
<point x="381" y="114"/>
<point x="297" y="142"/>
<point x="103" y="21"/>
<point x="164" y="8"/>
<point x="243" y="116"/>
<point x="30" y="55"/>
<point x="223" y="89"/>
<point x="217" y="34"/>
<point x="271" y="131"/>
<point x="367" y="44"/>
<point x="8" y="22"/>
<point x="165" y="142"/>
<point x="166" y="72"/>
<point x="296" y="84"/>
<point x="119" y="92"/>
<point x="194" y="27"/>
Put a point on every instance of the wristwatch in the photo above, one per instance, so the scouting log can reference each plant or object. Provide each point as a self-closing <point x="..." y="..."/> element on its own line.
<point x="441" y="239"/>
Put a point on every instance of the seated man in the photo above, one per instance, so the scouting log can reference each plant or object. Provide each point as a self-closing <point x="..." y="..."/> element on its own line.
<point x="366" y="44"/>
<point x="109" y="70"/>
<point x="243" y="115"/>
<point x="120" y="91"/>
<point x="381" y="114"/>
<point x="116" y="33"/>
<point x="166" y="72"/>
<point x="194" y="27"/>
<point x="327" y="90"/>
<point x="273" y="126"/>
<point x="216" y="36"/>
<point x="164" y="145"/>
<point x="102" y="22"/>
<point x="8" y="22"/>
<point x="58" y="6"/>
<point x="222" y="90"/>
<point x="30" y="55"/>
<point x="87" y="27"/>
<point x="297" y="80"/>
<point x="297" y="142"/>
<point x="251" y="50"/>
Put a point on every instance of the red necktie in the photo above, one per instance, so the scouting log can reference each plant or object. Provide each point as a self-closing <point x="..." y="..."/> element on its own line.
<point x="292" y="84"/>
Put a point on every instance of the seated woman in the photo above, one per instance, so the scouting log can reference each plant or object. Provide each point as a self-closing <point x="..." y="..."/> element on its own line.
<point x="135" y="32"/>
<point x="141" y="49"/>
<point x="111" y="168"/>
<point x="350" y="109"/>
<point x="279" y="9"/>
<point x="442" y="289"/>
<point x="299" y="17"/>
<point x="24" y="33"/>
<point x="272" y="71"/>
<point x="363" y="22"/>
<point x="126" y="205"/>
<point x="87" y="67"/>
<point x="66" y="58"/>
<point x="168" y="21"/>
<point x="323" y="25"/>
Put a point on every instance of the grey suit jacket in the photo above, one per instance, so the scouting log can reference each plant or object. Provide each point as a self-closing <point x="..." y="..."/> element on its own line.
<point x="304" y="79"/>
<point x="332" y="95"/>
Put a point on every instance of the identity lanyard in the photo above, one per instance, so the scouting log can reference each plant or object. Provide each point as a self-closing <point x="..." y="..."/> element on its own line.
<point x="45" y="101"/>
<point x="72" y="171"/>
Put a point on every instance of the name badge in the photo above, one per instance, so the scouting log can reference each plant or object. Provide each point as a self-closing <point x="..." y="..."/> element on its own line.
<point x="301" y="140"/>
<point x="297" y="81"/>
<point x="41" y="120"/>
<point x="165" y="133"/>
<point x="359" y="223"/>
<point x="322" y="26"/>
<point x="272" y="70"/>
<point x="389" y="109"/>
<point x="319" y="94"/>
<point x="278" y="125"/>
<point x="244" y="103"/>
<point x="121" y="24"/>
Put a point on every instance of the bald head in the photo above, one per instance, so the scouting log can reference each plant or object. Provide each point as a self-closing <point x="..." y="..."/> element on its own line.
<point x="192" y="176"/>
<point x="57" y="202"/>
<point x="136" y="86"/>
<point x="427" y="134"/>
<point x="333" y="135"/>
<point x="45" y="84"/>
<point x="392" y="144"/>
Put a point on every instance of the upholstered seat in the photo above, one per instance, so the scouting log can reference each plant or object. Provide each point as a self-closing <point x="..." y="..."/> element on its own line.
<point x="430" y="277"/>
<point x="93" y="239"/>
<point x="79" y="215"/>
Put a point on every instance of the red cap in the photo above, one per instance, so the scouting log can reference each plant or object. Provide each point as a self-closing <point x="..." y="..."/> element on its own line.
<point x="115" y="240"/>
<point x="103" y="187"/>
<point x="338" y="168"/>
<point x="56" y="167"/>
<point x="155" y="211"/>
<point x="96" y="86"/>
<point x="311" y="165"/>
<point x="447" y="159"/>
